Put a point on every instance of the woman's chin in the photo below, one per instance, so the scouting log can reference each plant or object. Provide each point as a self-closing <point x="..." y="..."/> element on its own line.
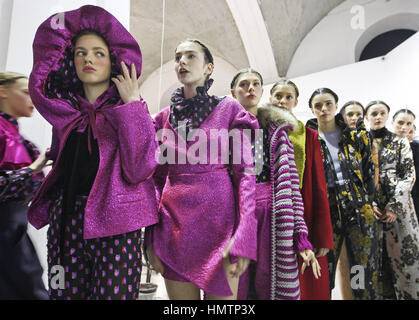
<point x="377" y="127"/>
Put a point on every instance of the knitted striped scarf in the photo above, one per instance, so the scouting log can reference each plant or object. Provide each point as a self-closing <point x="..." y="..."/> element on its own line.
<point x="289" y="233"/>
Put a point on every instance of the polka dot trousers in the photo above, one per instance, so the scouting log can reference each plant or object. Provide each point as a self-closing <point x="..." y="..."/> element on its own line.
<point x="102" y="269"/>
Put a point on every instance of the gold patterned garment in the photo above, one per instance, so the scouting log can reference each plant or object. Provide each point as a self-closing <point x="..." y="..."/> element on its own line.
<point x="351" y="208"/>
<point x="401" y="238"/>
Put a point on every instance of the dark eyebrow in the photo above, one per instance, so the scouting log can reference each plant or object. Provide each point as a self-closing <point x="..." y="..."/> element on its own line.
<point x="95" y="48"/>
<point x="189" y="51"/>
<point x="323" y="101"/>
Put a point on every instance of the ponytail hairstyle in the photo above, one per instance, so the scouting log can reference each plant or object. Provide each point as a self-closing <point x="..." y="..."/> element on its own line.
<point x="285" y="82"/>
<point x="404" y="111"/>
<point x="243" y="71"/>
<point x="373" y="103"/>
<point x="349" y="103"/>
<point x="322" y="91"/>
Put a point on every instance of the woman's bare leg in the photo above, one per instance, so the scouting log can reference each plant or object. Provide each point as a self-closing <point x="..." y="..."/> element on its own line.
<point x="344" y="274"/>
<point x="177" y="290"/>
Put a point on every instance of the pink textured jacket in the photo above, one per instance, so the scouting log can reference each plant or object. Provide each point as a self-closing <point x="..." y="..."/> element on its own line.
<point x="13" y="154"/>
<point x="201" y="206"/>
<point x="122" y="198"/>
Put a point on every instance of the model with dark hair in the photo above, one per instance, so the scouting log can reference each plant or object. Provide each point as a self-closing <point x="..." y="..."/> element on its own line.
<point x="276" y="273"/>
<point x="284" y="94"/>
<point x="100" y="191"/>
<point x="349" y="172"/>
<point x="403" y="124"/>
<point x="399" y="230"/>
<point x="206" y="235"/>
<point x="351" y="112"/>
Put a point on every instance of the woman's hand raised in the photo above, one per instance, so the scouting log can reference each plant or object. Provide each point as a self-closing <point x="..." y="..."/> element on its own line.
<point x="127" y="84"/>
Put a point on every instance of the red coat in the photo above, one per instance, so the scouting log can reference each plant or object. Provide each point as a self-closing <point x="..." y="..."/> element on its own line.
<point x="317" y="218"/>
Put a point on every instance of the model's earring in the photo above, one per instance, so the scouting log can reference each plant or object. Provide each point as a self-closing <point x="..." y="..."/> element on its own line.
<point x="210" y="68"/>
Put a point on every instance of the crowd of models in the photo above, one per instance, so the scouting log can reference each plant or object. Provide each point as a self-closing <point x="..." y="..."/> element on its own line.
<point x="313" y="199"/>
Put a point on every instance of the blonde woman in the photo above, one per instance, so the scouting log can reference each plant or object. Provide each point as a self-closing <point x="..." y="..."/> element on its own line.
<point x="20" y="176"/>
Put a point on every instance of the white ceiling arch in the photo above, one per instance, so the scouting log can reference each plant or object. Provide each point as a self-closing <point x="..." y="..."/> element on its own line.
<point x="261" y="34"/>
<point x="335" y="42"/>
<point x="402" y="20"/>
<point x="252" y="28"/>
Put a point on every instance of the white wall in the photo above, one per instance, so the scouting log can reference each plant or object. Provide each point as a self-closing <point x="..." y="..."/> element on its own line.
<point x="5" y="19"/>
<point x="339" y="38"/>
<point x="392" y="79"/>
<point x="16" y="55"/>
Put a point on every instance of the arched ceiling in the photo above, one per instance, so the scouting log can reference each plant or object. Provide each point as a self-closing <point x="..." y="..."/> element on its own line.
<point x="289" y="21"/>
<point x="207" y="20"/>
<point x="286" y="23"/>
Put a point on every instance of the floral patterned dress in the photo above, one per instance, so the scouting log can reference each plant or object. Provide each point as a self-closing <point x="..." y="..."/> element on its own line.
<point x="400" y="240"/>
<point x="351" y="211"/>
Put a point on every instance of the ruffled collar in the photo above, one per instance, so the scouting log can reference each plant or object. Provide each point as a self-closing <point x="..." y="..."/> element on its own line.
<point x="380" y="133"/>
<point x="191" y="113"/>
<point x="178" y="97"/>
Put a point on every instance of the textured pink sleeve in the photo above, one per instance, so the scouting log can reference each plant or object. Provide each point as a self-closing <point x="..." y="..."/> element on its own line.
<point x="160" y="173"/>
<point x="244" y="183"/>
<point x="136" y="134"/>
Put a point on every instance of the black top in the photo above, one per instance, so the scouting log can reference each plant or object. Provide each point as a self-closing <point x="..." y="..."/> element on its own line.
<point x="79" y="165"/>
<point x="380" y="133"/>
<point x="77" y="168"/>
<point x="261" y="153"/>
